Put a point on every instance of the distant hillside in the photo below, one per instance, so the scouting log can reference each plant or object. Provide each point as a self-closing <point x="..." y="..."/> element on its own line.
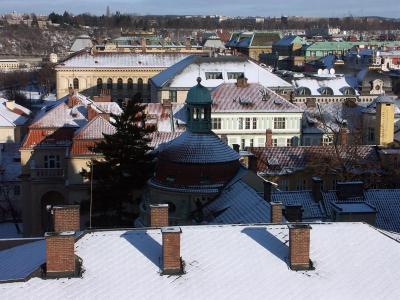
<point x="25" y="41"/>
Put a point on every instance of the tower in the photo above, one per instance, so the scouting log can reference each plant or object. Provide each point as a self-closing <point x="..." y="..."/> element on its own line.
<point x="384" y="121"/>
<point x="199" y="109"/>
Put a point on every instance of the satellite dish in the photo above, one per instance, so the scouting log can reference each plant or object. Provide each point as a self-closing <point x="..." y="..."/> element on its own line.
<point x="325" y="72"/>
<point x="332" y="71"/>
<point x="319" y="71"/>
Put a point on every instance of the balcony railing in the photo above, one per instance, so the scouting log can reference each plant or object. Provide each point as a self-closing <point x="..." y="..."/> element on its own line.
<point x="47" y="173"/>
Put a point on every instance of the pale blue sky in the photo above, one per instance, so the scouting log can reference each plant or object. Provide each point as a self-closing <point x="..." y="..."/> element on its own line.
<point x="335" y="8"/>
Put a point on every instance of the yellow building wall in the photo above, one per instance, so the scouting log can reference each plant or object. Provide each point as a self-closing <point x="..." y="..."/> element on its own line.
<point x="88" y="78"/>
<point x="384" y="124"/>
<point x="75" y="167"/>
<point x="7" y="135"/>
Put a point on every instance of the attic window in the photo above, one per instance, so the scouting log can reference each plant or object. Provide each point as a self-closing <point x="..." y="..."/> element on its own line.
<point x="235" y="75"/>
<point x="213" y="75"/>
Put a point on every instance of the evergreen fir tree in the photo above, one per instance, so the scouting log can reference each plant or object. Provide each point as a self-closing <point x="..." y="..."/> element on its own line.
<point x="124" y="168"/>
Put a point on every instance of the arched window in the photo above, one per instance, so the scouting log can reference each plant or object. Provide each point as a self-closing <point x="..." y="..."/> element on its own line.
<point x="348" y="91"/>
<point x="120" y="84"/>
<point x="303" y="91"/>
<point x="109" y="84"/>
<point x="76" y="83"/>
<point x="140" y="84"/>
<point x="326" y="91"/>
<point x="99" y="83"/>
<point x="130" y="84"/>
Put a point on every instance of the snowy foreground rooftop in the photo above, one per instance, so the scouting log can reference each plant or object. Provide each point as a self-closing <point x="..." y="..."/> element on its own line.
<point x="351" y="260"/>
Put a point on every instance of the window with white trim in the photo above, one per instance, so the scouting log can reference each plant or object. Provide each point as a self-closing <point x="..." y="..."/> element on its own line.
<point x="247" y="124"/>
<point x="279" y="123"/>
<point x="216" y="123"/>
<point x="52" y="161"/>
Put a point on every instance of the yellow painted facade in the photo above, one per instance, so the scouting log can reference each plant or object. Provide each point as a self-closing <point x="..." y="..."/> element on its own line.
<point x="88" y="79"/>
<point x="384" y="123"/>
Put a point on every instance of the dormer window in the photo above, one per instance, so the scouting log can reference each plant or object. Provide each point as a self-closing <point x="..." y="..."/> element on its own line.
<point x="52" y="161"/>
<point x="326" y="91"/>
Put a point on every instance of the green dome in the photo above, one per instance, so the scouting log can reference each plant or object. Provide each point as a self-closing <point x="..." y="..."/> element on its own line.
<point x="199" y="94"/>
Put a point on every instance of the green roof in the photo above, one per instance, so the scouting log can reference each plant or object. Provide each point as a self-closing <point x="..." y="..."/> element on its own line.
<point x="198" y="94"/>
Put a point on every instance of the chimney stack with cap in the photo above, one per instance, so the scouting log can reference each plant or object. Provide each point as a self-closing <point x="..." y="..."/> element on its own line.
<point x="236" y="147"/>
<point x="171" y="250"/>
<point x="268" y="186"/>
<point x="159" y="215"/>
<point x="66" y="218"/>
<point x="268" y="138"/>
<point x="299" y="246"/>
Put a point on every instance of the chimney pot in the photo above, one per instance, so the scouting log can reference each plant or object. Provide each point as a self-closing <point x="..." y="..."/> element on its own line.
<point x="252" y="163"/>
<point x="317" y="188"/>
<point x="60" y="254"/>
<point x="268" y="185"/>
<point x="268" y="138"/>
<point x="343" y="136"/>
<point x="66" y="218"/>
<point x="299" y="246"/>
<point x="171" y="248"/>
<point x="276" y="212"/>
<point x="159" y="215"/>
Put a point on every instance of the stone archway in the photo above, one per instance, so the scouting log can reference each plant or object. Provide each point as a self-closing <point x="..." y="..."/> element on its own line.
<point x="49" y="198"/>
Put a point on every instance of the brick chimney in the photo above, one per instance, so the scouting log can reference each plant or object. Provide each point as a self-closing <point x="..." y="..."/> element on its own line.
<point x="343" y="136"/>
<point x="171" y="250"/>
<point x="143" y="44"/>
<point x="72" y="101"/>
<point x="236" y="147"/>
<point x="268" y="186"/>
<point x="252" y="163"/>
<point x="317" y="188"/>
<point x="241" y="82"/>
<point x="159" y="215"/>
<point x="188" y="45"/>
<point x="92" y="113"/>
<point x="268" y="138"/>
<point x="66" y="218"/>
<point x="299" y="246"/>
<point x="60" y="254"/>
<point x="276" y="212"/>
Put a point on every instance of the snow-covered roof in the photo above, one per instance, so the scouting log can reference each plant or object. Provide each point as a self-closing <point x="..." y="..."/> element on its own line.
<point x="11" y="117"/>
<point x="80" y="43"/>
<point x="198" y="148"/>
<point x="19" y="262"/>
<point x="337" y="84"/>
<point x="228" y="97"/>
<point x="183" y="74"/>
<point x="238" y="203"/>
<point x="95" y="129"/>
<point x="122" y="60"/>
<point x="351" y="261"/>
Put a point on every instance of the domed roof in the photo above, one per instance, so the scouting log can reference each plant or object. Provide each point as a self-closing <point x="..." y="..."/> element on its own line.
<point x="199" y="94"/>
<point x="196" y="148"/>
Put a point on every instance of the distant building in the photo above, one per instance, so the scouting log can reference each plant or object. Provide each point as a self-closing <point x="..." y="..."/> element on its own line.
<point x="81" y="42"/>
<point x="123" y="74"/>
<point x="173" y="83"/>
<point x="9" y="64"/>
<point x="252" y="44"/>
<point x="199" y="176"/>
<point x="55" y="151"/>
<point x="251" y="115"/>
<point x="14" y="120"/>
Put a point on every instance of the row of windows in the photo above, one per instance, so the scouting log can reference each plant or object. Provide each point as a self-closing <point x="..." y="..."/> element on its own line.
<point x="251" y="123"/>
<point x="218" y="75"/>
<point x="261" y="142"/>
<point x="120" y="84"/>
